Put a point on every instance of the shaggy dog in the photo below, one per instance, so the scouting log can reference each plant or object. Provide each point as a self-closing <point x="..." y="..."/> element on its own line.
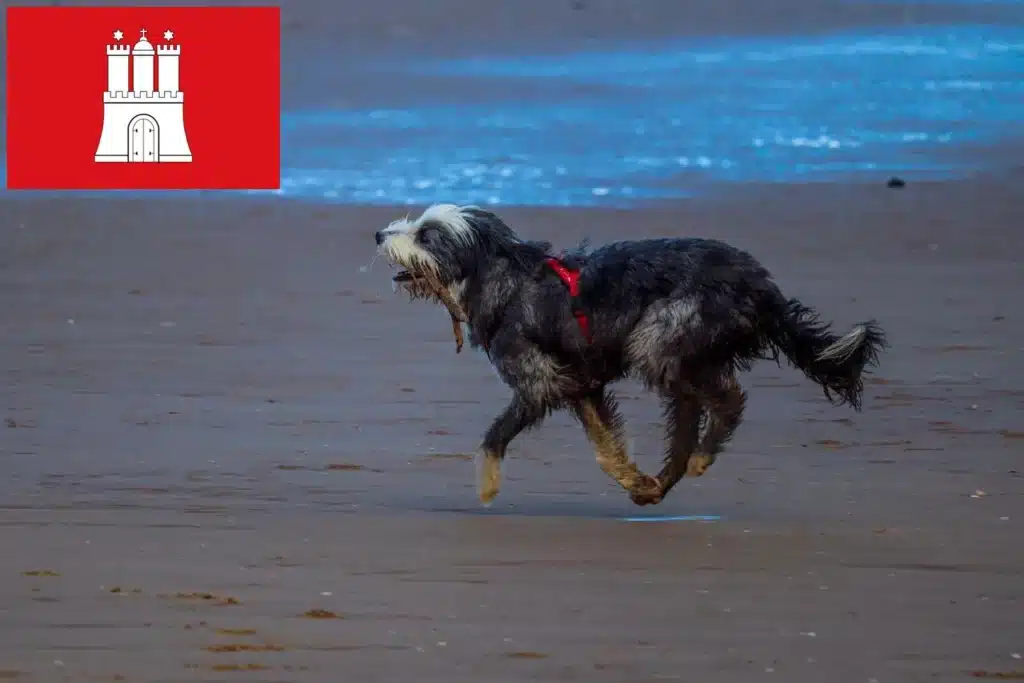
<point x="683" y="315"/>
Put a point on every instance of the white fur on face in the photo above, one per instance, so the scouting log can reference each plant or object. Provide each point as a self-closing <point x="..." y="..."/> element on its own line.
<point x="400" y="245"/>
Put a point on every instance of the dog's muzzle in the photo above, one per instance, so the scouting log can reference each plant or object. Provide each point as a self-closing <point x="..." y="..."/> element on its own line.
<point x="405" y="273"/>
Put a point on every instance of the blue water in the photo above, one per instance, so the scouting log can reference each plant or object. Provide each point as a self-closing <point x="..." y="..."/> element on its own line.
<point x="659" y="121"/>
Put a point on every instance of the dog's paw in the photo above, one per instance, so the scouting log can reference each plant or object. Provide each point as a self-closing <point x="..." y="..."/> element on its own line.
<point x="488" y="478"/>
<point x="646" y="491"/>
<point x="698" y="464"/>
<point x="487" y="494"/>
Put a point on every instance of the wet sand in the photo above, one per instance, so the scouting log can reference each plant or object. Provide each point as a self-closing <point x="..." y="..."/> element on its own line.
<point x="210" y="399"/>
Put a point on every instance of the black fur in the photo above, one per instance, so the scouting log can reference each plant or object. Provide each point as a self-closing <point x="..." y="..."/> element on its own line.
<point x="682" y="315"/>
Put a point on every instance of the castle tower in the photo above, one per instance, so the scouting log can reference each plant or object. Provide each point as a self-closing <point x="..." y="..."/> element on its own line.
<point x="117" y="68"/>
<point x="142" y="62"/>
<point x="167" y="56"/>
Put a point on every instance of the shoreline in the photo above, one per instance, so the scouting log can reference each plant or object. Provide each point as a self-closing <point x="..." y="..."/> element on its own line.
<point x="999" y="181"/>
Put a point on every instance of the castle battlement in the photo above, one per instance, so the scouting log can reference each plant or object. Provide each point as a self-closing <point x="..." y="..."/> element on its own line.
<point x="168" y="49"/>
<point x="119" y="50"/>
<point x="148" y="97"/>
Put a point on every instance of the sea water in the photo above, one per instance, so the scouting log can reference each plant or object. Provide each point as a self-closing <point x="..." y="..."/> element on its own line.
<point x="652" y="121"/>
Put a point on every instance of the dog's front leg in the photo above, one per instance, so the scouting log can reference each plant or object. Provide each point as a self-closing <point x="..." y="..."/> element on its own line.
<point x="519" y="415"/>
<point x="603" y="424"/>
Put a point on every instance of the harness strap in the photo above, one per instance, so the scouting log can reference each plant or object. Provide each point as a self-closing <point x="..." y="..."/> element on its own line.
<point x="571" y="278"/>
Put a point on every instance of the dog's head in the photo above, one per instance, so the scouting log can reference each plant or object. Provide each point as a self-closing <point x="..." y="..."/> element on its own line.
<point x="446" y="244"/>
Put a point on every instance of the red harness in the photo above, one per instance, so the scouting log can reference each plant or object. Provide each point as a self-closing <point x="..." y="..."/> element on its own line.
<point x="571" y="278"/>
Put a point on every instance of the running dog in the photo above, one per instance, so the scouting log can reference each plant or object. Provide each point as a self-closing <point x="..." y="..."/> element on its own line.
<point x="683" y="315"/>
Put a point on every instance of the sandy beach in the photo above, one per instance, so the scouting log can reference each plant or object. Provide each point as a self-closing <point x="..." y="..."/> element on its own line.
<point x="217" y="398"/>
<point x="230" y="452"/>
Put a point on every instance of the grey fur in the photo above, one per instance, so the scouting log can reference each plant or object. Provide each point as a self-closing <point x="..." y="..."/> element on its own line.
<point x="683" y="315"/>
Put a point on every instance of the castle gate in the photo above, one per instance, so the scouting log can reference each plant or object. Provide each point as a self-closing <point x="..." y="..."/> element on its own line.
<point x="143" y="139"/>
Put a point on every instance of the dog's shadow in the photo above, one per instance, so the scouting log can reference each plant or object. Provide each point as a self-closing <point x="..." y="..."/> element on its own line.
<point x="543" y="506"/>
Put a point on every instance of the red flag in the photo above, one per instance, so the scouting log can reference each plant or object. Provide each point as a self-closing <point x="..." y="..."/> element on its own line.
<point x="192" y="93"/>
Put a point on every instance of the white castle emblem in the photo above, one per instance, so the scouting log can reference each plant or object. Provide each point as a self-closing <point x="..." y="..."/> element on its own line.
<point x="144" y="124"/>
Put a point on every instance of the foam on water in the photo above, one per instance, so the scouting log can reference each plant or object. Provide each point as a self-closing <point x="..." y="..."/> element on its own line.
<point x="662" y="121"/>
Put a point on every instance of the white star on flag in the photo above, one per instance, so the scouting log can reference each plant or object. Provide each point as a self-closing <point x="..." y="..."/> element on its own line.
<point x="118" y="35"/>
<point x="168" y="35"/>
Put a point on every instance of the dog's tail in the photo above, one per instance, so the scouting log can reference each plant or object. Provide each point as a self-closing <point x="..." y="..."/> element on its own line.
<point x="836" y="363"/>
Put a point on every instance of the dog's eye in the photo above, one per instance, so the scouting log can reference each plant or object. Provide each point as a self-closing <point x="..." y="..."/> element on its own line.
<point x="427" y="235"/>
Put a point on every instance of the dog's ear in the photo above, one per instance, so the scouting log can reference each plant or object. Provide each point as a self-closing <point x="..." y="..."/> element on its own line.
<point x="527" y="254"/>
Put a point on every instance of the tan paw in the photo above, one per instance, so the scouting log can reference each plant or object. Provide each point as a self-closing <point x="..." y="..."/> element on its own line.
<point x="646" y="491"/>
<point x="698" y="464"/>
<point x="488" y="478"/>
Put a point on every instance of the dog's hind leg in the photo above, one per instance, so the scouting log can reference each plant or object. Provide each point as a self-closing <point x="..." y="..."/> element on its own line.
<point x="603" y="424"/>
<point x="519" y="415"/>
<point x="725" y="400"/>
<point x="682" y="430"/>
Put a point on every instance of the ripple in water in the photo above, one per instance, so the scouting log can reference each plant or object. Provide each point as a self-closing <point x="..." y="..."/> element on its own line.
<point x="664" y="121"/>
